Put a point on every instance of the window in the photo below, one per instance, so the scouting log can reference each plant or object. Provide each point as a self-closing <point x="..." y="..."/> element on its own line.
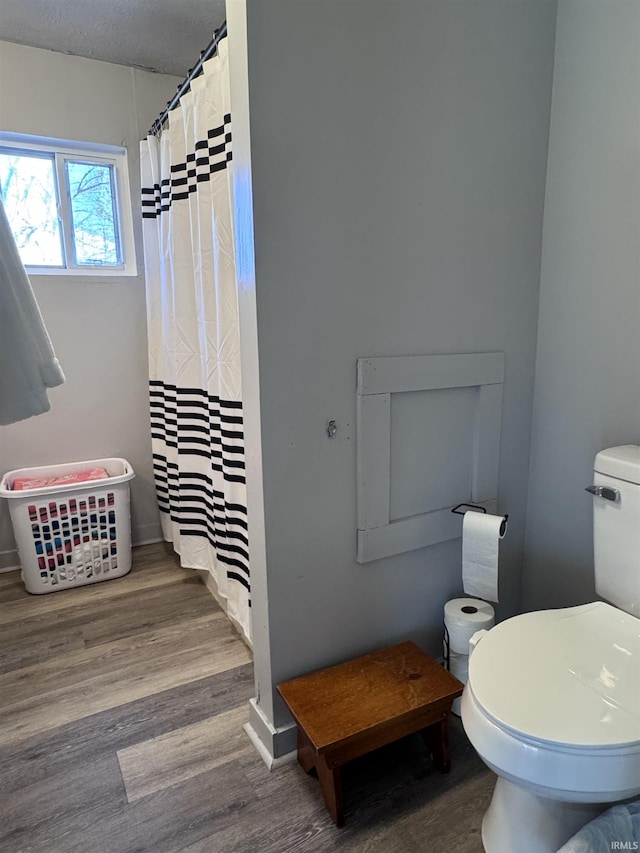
<point x="68" y="205"/>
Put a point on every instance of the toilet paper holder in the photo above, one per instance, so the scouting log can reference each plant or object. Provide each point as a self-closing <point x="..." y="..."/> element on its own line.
<point x="458" y="511"/>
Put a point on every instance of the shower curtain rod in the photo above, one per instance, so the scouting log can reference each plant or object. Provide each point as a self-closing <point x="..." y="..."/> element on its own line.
<point x="207" y="53"/>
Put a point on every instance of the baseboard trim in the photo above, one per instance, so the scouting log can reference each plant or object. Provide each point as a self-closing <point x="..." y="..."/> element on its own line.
<point x="271" y="762"/>
<point x="276" y="746"/>
<point x="153" y="541"/>
<point x="9" y="561"/>
<point x="146" y="534"/>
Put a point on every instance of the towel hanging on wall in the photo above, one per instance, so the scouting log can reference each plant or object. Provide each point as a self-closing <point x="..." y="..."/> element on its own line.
<point x="28" y="365"/>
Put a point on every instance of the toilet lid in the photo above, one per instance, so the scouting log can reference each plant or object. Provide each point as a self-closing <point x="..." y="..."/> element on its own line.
<point x="569" y="676"/>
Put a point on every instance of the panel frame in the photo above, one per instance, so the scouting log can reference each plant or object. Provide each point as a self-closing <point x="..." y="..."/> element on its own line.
<point x="377" y="379"/>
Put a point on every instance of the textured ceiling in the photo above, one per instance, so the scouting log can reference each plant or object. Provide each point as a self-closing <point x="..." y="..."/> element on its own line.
<point x="160" y="35"/>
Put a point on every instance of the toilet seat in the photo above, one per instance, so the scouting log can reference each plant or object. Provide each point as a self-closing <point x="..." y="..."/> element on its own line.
<point x="552" y="770"/>
<point x="567" y="678"/>
<point x="553" y="702"/>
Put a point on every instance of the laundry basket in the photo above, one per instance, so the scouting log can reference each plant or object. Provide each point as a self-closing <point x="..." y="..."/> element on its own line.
<point x="72" y="534"/>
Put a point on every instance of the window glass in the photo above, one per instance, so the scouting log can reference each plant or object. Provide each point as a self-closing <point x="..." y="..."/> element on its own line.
<point x="94" y="225"/>
<point x="28" y="186"/>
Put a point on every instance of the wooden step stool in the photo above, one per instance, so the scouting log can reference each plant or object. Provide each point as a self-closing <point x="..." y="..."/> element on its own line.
<point x="350" y="709"/>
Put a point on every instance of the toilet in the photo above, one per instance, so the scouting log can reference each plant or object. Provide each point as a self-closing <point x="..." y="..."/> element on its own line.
<point x="552" y="703"/>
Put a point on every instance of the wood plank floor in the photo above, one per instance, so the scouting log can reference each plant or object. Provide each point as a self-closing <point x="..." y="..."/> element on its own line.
<point x="121" y="713"/>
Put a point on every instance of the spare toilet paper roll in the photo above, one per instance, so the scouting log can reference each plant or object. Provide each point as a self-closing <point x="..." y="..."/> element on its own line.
<point x="480" y="539"/>
<point x="462" y="618"/>
<point x="459" y="666"/>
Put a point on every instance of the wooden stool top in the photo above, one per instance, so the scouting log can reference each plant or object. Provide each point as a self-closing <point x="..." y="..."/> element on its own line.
<point x="336" y="704"/>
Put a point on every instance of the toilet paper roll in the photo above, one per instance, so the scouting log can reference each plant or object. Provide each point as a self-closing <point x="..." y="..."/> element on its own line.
<point x="459" y="666"/>
<point x="480" y="540"/>
<point x="462" y="618"/>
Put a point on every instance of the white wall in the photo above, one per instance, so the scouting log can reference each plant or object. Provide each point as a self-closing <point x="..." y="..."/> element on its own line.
<point x="97" y="325"/>
<point x="398" y="160"/>
<point x="587" y="391"/>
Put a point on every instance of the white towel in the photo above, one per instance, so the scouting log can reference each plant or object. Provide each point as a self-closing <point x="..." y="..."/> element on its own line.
<point x="619" y="825"/>
<point x="28" y="365"/>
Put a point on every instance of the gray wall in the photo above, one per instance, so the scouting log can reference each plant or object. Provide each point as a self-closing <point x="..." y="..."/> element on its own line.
<point x="398" y="157"/>
<point x="97" y="325"/>
<point x="587" y="391"/>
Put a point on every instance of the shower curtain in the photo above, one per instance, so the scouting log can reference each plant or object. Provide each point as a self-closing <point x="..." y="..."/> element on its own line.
<point x="194" y="347"/>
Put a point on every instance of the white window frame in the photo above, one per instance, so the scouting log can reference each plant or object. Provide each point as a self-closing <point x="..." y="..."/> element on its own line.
<point x="87" y="152"/>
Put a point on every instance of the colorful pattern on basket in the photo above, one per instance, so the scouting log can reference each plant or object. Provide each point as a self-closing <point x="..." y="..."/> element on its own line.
<point x="74" y="539"/>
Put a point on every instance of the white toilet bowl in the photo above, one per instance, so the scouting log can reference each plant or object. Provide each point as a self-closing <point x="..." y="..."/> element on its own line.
<point x="552" y="706"/>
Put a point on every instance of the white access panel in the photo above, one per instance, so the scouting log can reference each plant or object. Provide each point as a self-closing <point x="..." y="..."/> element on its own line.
<point x="428" y="437"/>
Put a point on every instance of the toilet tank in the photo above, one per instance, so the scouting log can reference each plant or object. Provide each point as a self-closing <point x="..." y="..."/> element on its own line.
<point x="616" y="527"/>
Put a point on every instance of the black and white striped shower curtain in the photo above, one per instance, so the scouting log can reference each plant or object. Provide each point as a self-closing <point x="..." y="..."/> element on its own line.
<point x="194" y="348"/>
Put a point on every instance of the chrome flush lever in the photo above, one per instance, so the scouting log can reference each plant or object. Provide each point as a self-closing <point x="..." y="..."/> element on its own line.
<point x="604" y="492"/>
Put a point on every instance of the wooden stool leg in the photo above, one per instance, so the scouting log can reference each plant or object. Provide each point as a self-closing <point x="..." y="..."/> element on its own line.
<point x="331" y="786"/>
<point x="306" y="752"/>
<point x="437" y="738"/>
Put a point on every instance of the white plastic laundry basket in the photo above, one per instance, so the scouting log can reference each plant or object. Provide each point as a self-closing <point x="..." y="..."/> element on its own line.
<point x="73" y="534"/>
